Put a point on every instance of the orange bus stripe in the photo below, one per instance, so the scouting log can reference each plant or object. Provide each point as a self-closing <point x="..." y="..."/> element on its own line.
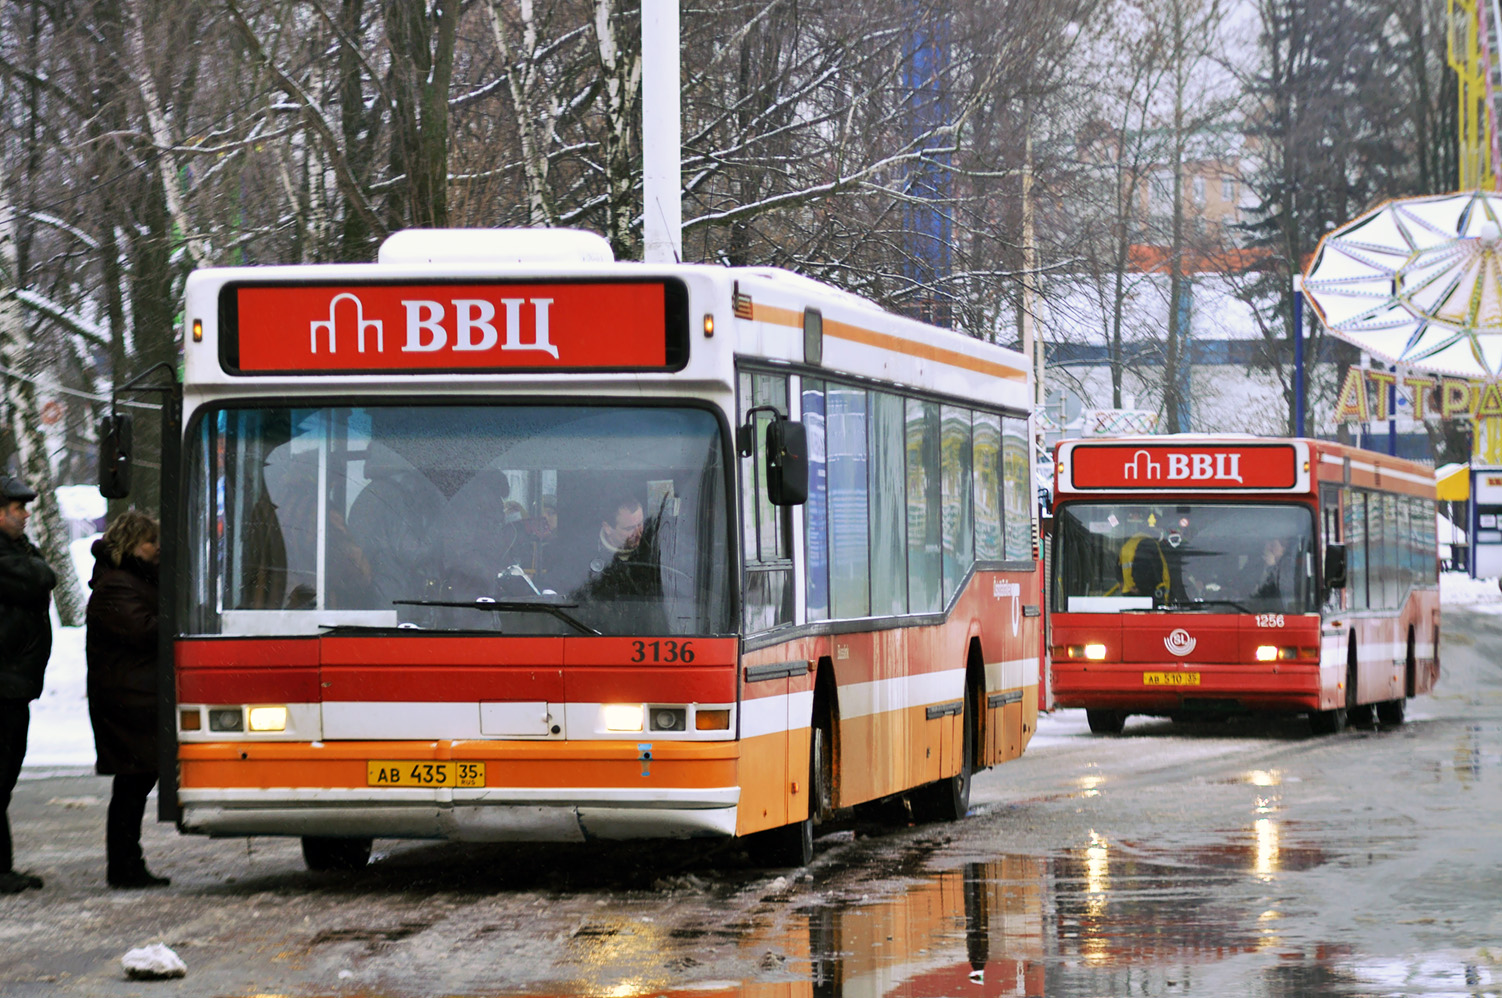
<point x="886" y="341"/>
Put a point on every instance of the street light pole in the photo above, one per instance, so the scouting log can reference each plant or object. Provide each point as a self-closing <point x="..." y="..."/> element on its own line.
<point x="661" y="133"/>
<point x="1298" y="355"/>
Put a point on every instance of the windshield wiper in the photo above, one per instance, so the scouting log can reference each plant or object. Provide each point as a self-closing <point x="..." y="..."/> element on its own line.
<point x="542" y="604"/>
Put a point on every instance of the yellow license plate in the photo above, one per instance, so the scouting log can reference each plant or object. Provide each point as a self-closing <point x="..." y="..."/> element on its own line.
<point x="1170" y="679"/>
<point x="416" y="773"/>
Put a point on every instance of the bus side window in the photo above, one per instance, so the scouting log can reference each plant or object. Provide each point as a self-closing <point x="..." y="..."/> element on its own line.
<point x="766" y="529"/>
<point x="1354" y="532"/>
<point x="1018" y="497"/>
<point x="1330" y="533"/>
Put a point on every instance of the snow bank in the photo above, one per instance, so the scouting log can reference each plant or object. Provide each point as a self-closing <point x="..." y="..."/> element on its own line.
<point x="60" y="735"/>
<point x="1459" y="589"/>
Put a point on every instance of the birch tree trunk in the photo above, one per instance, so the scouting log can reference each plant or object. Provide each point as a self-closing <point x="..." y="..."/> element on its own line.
<point x="530" y="96"/>
<point x="422" y="65"/>
<point x="161" y="136"/>
<point x="24" y="419"/>
<point x="621" y="74"/>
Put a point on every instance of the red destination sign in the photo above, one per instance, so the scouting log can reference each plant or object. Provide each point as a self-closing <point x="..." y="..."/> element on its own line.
<point x="1187" y="467"/>
<point x="312" y="329"/>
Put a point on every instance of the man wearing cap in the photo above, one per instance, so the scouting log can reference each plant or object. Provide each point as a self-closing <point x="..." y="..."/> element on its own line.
<point x="26" y="584"/>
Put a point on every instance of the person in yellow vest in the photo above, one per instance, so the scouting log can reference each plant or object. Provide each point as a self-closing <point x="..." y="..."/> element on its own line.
<point x="1144" y="570"/>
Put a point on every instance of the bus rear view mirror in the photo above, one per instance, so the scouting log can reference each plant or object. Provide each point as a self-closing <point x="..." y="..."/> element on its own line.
<point x="787" y="463"/>
<point x="1335" y="566"/>
<point x="115" y="456"/>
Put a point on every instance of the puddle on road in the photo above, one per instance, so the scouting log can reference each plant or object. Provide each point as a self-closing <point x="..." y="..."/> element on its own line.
<point x="1103" y="918"/>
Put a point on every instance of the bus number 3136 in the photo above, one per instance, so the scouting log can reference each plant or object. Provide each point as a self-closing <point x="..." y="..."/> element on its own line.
<point x="662" y="651"/>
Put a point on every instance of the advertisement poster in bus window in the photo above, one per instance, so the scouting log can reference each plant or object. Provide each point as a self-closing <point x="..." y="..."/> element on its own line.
<point x="1355" y="538"/>
<point x="954" y="474"/>
<point x="888" y="505"/>
<point x="925" y="566"/>
<point x="986" y="463"/>
<point x="1015" y="491"/>
<point x="816" y="510"/>
<point x="849" y="533"/>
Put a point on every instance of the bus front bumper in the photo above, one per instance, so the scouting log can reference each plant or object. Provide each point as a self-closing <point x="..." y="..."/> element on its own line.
<point x="1170" y="687"/>
<point x="483" y="815"/>
<point x="539" y="791"/>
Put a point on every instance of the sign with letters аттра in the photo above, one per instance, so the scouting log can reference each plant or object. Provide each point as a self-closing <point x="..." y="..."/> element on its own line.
<point x="614" y="325"/>
<point x="1183" y="467"/>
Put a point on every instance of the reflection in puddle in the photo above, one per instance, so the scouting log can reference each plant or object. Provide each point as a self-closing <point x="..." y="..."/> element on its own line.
<point x="1102" y="918"/>
<point x="1266" y="832"/>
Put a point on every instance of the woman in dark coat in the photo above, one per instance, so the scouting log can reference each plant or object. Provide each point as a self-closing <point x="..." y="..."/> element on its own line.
<point x="121" y="649"/>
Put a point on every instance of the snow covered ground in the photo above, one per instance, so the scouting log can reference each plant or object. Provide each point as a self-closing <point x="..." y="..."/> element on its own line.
<point x="62" y="740"/>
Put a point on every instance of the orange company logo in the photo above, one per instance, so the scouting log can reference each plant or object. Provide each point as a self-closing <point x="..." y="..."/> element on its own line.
<point x="463" y="325"/>
<point x="1001" y="590"/>
<point x="1179" y="642"/>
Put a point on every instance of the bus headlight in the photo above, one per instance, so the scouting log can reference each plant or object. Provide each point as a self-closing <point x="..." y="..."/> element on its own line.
<point x="621" y="716"/>
<point x="1095" y="652"/>
<point x="226" y="719"/>
<point x="268" y="719"/>
<point x="1267" y="653"/>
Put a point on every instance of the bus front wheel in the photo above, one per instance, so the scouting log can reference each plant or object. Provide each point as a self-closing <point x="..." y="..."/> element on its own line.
<point x="1106" y="722"/>
<point x="1327" y="722"/>
<point x="949" y="799"/>
<point x="329" y="855"/>
<point x="793" y="845"/>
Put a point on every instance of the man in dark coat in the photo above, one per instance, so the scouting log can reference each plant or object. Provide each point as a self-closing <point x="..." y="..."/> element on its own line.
<point x="622" y="590"/>
<point x="120" y="645"/>
<point x="26" y="583"/>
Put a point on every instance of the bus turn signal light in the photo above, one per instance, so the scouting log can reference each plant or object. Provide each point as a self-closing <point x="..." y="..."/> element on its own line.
<point x="712" y="720"/>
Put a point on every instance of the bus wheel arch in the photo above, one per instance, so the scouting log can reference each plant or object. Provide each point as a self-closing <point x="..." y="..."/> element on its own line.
<point x="948" y="799"/>
<point x="1357" y="713"/>
<point x="824" y="744"/>
<point x="1393" y="712"/>
<point x="792" y="845"/>
<point x="1333" y="721"/>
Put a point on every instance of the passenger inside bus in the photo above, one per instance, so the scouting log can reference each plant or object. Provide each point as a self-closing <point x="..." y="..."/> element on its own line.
<point x="1144" y="569"/>
<point x="1271" y="586"/>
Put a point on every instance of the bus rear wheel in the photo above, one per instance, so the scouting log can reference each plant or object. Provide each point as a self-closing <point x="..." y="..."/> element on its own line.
<point x="1106" y="722"/>
<point x="326" y="855"/>
<point x="1392" y="712"/>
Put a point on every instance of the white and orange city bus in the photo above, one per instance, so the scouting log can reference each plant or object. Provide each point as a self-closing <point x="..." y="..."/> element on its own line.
<point x="1200" y="575"/>
<point x="498" y="538"/>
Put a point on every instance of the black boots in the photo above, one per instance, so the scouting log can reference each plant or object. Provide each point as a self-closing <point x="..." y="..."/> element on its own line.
<point x="134" y="877"/>
<point x="14" y="882"/>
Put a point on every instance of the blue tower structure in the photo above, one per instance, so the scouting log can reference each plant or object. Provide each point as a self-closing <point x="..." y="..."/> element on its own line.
<point x="928" y="226"/>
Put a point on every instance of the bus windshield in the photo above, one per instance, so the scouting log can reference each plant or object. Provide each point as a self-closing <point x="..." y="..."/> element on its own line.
<point x="517" y="519"/>
<point x="1211" y="557"/>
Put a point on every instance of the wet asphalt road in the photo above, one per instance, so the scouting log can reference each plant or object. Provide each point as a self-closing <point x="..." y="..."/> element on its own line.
<point x="1247" y="858"/>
